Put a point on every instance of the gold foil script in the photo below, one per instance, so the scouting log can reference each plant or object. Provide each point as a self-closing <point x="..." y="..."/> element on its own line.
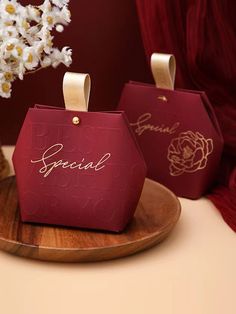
<point x="142" y="125"/>
<point x="49" y="164"/>
<point x="189" y="153"/>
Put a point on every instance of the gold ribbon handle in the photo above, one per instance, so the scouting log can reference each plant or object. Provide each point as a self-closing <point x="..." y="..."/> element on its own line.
<point x="163" y="70"/>
<point x="76" y="90"/>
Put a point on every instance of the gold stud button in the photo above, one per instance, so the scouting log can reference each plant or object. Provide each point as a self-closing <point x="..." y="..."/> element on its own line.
<point x="76" y="120"/>
<point x="163" y="98"/>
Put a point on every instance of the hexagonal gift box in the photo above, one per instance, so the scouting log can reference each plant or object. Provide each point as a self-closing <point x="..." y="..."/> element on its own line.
<point x="80" y="169"/>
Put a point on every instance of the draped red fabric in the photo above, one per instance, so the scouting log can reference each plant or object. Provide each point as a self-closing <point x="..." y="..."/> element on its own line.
<point x="202" y="36"/>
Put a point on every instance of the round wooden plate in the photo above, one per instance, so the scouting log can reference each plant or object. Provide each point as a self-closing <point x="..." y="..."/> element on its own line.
<point x="156" y="215"/>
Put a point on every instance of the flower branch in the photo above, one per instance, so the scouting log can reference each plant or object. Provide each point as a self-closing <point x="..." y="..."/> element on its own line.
<point x="26" y="40"/>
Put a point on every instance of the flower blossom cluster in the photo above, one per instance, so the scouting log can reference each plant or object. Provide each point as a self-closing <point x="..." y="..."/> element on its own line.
<point x="26" y="39"/>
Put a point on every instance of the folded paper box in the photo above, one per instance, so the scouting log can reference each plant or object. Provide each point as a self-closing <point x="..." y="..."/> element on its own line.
<point x="77" y="168"/>
<point x="177" y="131"/>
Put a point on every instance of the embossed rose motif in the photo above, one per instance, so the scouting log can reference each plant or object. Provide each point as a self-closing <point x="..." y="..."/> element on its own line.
<point x="189" y="153"/>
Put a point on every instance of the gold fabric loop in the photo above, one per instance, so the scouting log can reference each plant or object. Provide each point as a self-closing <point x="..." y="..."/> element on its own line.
<point x="163" y="70"/>
<point x="76" y="90"/>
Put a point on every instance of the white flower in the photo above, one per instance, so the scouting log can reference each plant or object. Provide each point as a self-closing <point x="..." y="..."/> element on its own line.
<point x="33" y="13"/>
<point x="9" y="9"/>
<point x="67" y="56"/>
<point x="5" y="88"/>
<point x="64" y="56"/>
<point x="8" y="32"/>
<point x="60" y="3"/>
<point x="26" y="40"/>
<point x="62" y="16"/>
<point x="18" y="50"/>
<point x="30" y="58"/>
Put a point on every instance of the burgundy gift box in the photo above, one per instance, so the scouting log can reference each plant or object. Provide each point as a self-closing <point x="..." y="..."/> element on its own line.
<point x="81" y="169"/>
<point x="178" y="134"/>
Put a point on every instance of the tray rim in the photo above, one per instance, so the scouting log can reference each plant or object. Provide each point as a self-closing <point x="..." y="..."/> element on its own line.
<point x="160" y="233"/>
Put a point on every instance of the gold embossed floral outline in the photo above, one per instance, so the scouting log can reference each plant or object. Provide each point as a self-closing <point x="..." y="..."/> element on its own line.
<point x="188" y="153"/>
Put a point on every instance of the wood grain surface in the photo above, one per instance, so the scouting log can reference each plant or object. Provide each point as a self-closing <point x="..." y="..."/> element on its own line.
<point x="4" y="165"/>
<point x="157" y="213"/>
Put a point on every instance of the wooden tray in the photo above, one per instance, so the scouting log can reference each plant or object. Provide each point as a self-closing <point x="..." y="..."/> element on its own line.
<point x="157" y="213"/>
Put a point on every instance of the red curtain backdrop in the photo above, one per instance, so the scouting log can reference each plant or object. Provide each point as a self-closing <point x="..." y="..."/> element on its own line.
<point x="202" y="36"/>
